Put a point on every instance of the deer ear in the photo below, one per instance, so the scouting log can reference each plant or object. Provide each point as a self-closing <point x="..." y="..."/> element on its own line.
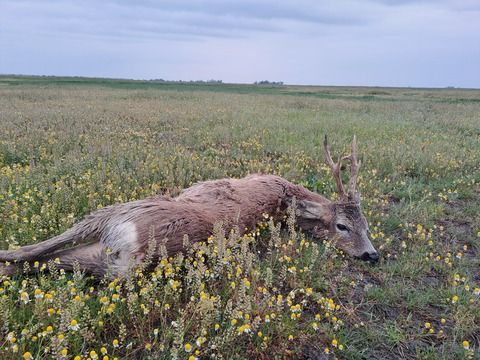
<point x="314" y="211"/>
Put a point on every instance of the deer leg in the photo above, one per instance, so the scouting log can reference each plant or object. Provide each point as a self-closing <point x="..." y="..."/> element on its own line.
<point x="10" y="269"/>
<point x="93" y="259"/>
<point x="90" y="258"/>
<point x="32" y="252"/>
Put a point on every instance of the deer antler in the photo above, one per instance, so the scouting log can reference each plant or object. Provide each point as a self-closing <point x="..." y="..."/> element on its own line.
<point x="335" y="167"/>
<point x="355" y="165"/>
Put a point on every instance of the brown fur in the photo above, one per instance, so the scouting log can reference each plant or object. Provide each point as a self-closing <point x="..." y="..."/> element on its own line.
<point x="234" y="202"/>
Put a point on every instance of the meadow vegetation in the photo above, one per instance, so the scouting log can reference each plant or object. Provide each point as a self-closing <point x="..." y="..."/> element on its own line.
<point x="70" y="146"/>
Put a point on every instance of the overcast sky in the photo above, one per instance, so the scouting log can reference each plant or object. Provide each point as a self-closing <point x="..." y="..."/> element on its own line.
<point x="366" y="42"/>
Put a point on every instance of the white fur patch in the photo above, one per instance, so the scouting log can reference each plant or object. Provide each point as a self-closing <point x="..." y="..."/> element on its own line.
<point x="121" y="243"/>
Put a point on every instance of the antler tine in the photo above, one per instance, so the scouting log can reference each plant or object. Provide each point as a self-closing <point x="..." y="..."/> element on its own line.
<point x="355" y="165"/>
<point x="335" y="167"/>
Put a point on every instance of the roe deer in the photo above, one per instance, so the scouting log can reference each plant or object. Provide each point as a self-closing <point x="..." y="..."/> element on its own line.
<point x="115" y="237"/>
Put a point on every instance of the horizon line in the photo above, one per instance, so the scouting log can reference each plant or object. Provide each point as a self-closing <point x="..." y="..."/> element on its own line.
<point x="221" y="82"/>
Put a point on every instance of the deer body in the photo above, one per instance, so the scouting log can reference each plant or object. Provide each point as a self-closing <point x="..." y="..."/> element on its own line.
<point x="123" y="231"/>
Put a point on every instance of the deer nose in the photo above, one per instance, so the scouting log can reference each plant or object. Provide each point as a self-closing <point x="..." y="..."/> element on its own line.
<point x="372" y="257"/>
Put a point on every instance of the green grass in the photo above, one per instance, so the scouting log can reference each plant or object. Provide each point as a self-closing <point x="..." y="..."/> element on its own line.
<point x="71" y="145"/>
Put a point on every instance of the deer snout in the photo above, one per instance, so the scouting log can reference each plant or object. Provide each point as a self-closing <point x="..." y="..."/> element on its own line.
<point x="371" y="257"/>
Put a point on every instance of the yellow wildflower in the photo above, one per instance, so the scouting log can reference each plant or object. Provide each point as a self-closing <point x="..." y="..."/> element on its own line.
<point x="74" y="325"/>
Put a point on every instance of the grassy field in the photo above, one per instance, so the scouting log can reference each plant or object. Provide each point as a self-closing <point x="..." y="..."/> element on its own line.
<point x="72" y="145"/>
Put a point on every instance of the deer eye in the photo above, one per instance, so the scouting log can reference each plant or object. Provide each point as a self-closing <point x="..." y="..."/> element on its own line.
<point x="342" y="227"/>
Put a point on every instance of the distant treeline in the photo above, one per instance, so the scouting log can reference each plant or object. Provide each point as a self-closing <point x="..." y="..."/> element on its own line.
<point x="81" y="78"/>
<point x="212" y="81"/>
<point x="266" y="82"/>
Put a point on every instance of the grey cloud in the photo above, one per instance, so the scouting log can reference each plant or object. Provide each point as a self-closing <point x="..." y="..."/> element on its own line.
<point x="309" y="11"/>
<point x="461" y="5"/>
<point x="205" y="18"/>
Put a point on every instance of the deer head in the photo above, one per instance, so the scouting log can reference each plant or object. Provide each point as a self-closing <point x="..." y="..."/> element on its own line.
<point x="342" y="220"/>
